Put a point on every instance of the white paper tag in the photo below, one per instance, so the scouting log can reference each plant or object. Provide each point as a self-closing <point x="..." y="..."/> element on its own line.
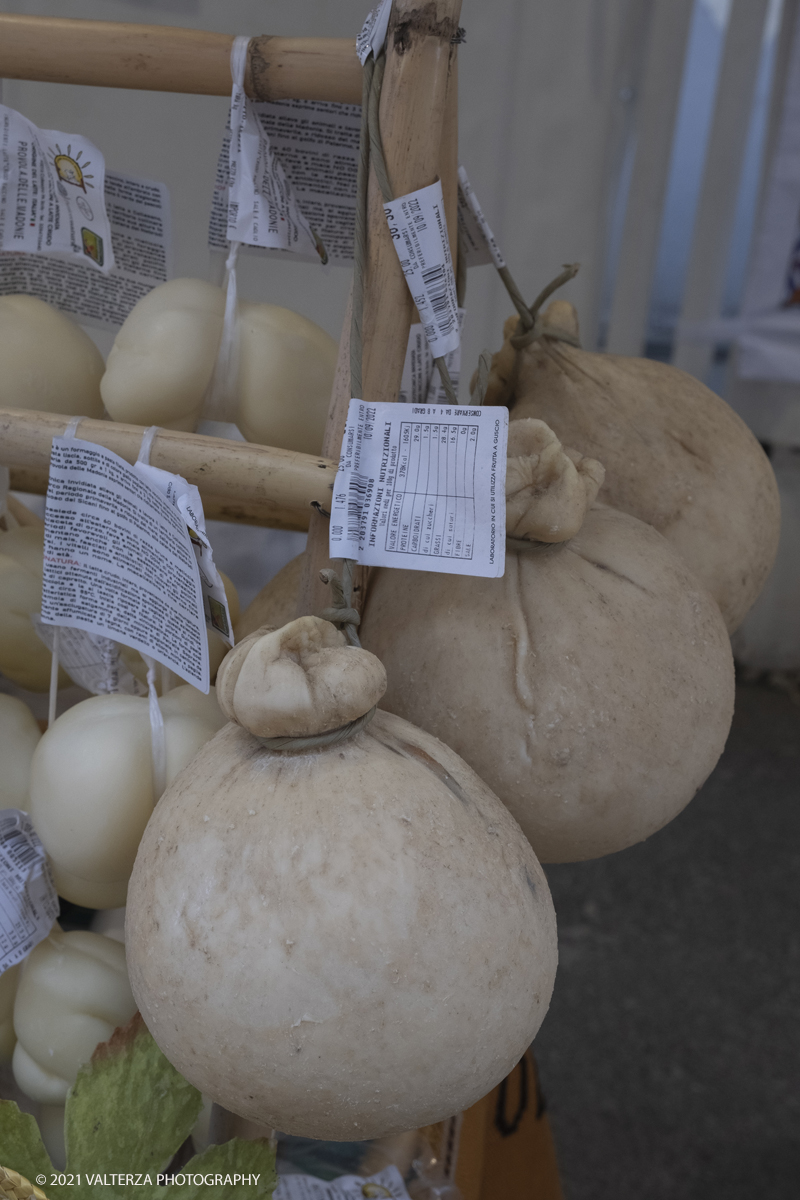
<point x="420" y="383"/>
<point x="186" y="498"/>
<point x="316" y="143"/>
<point x="479" y="242"/>
<point x="387" y="1183"/>
<point x="141" y="237"/>
<point x="93" y="662"/>
<point x="373" y="32"/>
<point x="422" y="488"/>
<point x="51" y="193"/>
<point x="118" y="560"/>
<point x="28" y="899"/>
<point x="262" y="207"/>
<point x="418" y="227"/>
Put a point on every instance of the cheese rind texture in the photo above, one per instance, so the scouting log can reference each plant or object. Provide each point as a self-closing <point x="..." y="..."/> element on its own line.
<point x="342" y="943"/>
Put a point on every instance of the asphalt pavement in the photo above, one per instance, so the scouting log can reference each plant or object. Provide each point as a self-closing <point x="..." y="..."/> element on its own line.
<point x="670" y="1058"/>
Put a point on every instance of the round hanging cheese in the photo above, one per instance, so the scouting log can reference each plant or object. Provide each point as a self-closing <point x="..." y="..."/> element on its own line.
<point x="47" y="362"/>
<point x="91" y="787"/>
<point x="591" y="686"/>
<point x="341" y="936"/>
<point x="676" y="455"/>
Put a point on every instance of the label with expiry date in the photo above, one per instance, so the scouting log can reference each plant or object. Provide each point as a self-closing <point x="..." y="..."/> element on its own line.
<point x="419" y="231"/>
<point x="422" y="487"/>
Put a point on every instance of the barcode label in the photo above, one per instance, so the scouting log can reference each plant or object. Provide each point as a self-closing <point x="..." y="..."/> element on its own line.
<point x="419" y="231"/>
<point x="356" y="495"/>
<point x="28" y="900"/>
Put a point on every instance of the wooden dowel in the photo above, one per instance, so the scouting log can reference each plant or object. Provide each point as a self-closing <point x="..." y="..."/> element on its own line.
<point x="238" y="481"/>
<point x="419" y="70"/>
<point x="413" y="99"/>
<point x="165" y="58"/>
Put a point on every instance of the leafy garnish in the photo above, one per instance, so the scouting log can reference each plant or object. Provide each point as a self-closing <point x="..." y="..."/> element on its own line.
<point x="223" y="1167"/>
<point x="129" y="1109"/>
<point x="127" y="1115"/>
<point x="21" y="1145"/>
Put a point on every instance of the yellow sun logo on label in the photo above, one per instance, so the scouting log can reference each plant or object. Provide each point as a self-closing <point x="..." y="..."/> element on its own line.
<point x="70" y="169"/>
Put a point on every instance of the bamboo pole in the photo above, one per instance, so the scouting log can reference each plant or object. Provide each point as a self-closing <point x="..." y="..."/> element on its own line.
<point x="165" y="58"/>
<point x="238" y="481"/>
<point x="419" y="72"/>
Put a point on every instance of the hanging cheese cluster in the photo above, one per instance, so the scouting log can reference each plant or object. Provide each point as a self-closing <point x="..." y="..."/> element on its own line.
<point x="163" y="359"/>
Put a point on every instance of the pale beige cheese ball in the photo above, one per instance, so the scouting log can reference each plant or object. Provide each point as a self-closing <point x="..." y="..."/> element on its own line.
<point x="286" y="369"/>
<point x="91" y="787"/>
<point x="163" y="357"/>
<point x="47" y="362"/>
<point x="276" y="603"/>
<point x="340" y="942"/>
<point x="676" y="455"/>
<point x="24" y="658"/>
<point x="591" y="686"/>
<point x="19" y="736"/>
<point x="72" y="994"/>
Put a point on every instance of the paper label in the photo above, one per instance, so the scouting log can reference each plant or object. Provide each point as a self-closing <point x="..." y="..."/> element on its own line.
<point x="387" y="1183"/>
<point x="186" y="498"/>
<point x="28" y="900"/>
<point x="93" y="662"/>
<point x="141" y="237"/>
<point x="316" y="143"/>
<point x="373" y="32"/>
<point x="52" y="193"/>
<point x="480" y="244"/>
<point x="420" y="383"/>
<point x="118" y="560"/>
<point x="419" y="231"/>
<point x="422" y="488"/>
<point x="262" y="207"/>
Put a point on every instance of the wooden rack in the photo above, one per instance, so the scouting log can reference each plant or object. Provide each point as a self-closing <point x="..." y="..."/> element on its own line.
<point x="419" y="124"/>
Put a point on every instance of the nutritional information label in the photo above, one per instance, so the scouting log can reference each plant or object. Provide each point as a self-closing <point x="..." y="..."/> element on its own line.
<point x="433" y="506"/>
<point x="422" y="487"/>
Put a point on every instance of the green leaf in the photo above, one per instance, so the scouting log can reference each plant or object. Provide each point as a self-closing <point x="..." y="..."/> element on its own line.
<point x="21" y="1146"/>
<point x="223" y="1168"/>
<point x="129" y="1110"/>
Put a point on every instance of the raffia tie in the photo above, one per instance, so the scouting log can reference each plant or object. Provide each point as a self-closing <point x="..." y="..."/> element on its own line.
<point x="532" y="327"/>
<point x="14" y="1186"/>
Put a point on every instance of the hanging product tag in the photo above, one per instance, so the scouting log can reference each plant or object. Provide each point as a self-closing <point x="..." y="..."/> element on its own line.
<point x="316" y="142"/>
<point x="373" y="32"/>
<point x="262" y="208"/>
<point x="480" y="244"/>
<point x="28" y="899"/>
<point x="91" y="661"/>
<point x="141" y="237"/>
<point x="186" y="498"/>
<point x="388" y="1183"/>
<point x="52" y="193"/>
<point x="422" y="488"/>
<point x="420" y="383"/>
<point x="118" y="560"/>
<point x="419" y="231"/>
